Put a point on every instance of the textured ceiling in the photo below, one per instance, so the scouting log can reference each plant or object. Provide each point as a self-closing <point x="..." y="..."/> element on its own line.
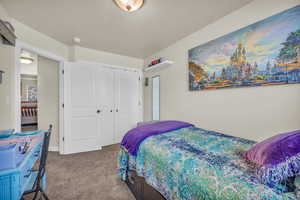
<point x="101" y="25"/>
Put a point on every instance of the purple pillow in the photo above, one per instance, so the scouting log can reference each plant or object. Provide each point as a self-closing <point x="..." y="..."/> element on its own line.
<point x="276" y="158"/>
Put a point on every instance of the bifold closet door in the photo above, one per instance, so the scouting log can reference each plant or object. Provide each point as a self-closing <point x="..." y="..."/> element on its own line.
<point x="126" y="102"/>
<point x="101" y="105"/>
<point x="105" y="82"/>
<point x="81" y="111"/>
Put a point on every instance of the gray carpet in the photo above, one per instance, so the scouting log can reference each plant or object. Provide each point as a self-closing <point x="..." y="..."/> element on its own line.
<point x="86" y="176"/>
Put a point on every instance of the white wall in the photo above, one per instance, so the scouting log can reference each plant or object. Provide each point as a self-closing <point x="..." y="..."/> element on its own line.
<point x="255" y="113"/>
<point x="78" y="53"/>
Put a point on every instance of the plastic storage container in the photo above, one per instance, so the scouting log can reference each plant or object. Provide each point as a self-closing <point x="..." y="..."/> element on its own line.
<point x="28" y="133"/>
<point x="8" y="156"/>
<point x="6" y="133"/>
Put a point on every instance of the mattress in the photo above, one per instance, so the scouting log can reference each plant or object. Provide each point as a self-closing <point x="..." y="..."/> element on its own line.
<point x="193" y="163"/>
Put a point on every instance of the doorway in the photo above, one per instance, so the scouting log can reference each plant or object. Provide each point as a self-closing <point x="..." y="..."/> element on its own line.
<point x="29" y="85"/>
<point x="39" y="93"/>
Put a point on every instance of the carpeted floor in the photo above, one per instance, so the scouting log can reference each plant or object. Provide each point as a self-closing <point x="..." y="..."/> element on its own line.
<point x="86" y="176"/>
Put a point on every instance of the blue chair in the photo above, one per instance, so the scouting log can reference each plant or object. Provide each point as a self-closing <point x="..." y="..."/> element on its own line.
<point x="38" y="175"/>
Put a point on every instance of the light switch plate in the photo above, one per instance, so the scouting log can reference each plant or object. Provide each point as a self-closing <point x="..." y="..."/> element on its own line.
<point x="1" y="74"/>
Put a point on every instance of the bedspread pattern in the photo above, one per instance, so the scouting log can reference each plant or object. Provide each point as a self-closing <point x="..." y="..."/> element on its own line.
<point x="193" y="163"/>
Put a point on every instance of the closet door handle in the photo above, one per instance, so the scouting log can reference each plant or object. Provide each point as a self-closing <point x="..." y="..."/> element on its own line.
<point x="117" y="110"/>
<point x="98" y="111"/>
<point x="111" y="110"/>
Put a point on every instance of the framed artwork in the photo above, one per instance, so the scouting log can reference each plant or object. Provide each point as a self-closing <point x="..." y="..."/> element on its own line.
<point x="32" y="93"/>
<point x="264" y="53"/>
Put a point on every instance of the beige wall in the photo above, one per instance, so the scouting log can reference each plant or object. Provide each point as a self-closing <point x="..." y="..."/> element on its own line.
<point x="254" y="113"/>
<point x="3" y="14"/>
<point x="7" y="89"/>
<point x="48" y="97"/>
<point x="78" y="53"/>
<point x="73" y="53"/>
<point x="6" y="63"/>
<point x="6" y="109"/>
<point x="39" y="40"/>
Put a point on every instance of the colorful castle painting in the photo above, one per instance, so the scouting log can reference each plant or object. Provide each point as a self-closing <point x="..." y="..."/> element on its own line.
<point x="264" y="53"/>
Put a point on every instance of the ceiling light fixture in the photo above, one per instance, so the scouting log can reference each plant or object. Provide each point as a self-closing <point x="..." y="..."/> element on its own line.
<point x="76" y="40"/>
<point x="26" y="60"/>
<point x="130" y="5"/>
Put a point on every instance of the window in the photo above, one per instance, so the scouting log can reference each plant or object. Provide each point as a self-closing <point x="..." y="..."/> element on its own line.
<point x="156" y="98"/>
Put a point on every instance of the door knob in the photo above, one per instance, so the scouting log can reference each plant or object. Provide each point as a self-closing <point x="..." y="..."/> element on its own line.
<point x="117" y="110"/>
<point x="98" y="111"/>
<point x="111" y="111"/>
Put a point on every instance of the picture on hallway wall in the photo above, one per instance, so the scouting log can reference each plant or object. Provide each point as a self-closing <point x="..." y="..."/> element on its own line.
<point x="32" y="93"/>
<point x="264" y="53"/>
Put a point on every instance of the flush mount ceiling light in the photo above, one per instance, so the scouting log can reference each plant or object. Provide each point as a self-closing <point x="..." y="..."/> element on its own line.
<point x="130" y="5"/>
<point x="26" y="57"/>
<point x="26" y="60"/>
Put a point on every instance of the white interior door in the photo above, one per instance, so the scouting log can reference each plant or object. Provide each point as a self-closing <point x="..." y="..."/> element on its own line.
<point x="105" y="99"/>
<point x="127" y="102"/>
<point x="82" y="127"/>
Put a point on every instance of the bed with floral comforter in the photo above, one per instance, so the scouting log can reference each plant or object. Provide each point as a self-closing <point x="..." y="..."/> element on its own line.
<point x="193" y="163"/>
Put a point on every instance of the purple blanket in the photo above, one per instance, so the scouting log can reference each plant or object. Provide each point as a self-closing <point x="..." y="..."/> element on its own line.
<point x="136" y="136"/>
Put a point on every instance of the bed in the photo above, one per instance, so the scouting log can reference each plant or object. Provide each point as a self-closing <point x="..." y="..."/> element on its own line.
<point x="193" y="163"/>
<point x="29" y="113"/>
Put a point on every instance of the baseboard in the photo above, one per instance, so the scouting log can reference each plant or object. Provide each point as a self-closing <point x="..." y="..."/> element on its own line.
<point x="55" y="149"/>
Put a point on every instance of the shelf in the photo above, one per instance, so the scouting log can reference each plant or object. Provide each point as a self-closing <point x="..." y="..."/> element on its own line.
<point x="159" y="66"/>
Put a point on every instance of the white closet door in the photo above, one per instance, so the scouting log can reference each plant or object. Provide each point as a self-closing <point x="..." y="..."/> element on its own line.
<point x="105" y="98"/>
<point x="82" y="127"/>
<point x="127" y="102"/>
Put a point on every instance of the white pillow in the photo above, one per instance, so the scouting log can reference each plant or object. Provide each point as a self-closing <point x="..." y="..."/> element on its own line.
<point x="145" y="123"/>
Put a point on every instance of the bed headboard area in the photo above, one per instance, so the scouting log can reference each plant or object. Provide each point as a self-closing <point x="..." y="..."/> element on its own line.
<point x="29" y="113"/>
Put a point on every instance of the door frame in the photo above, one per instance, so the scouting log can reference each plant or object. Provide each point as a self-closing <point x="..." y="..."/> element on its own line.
<point x="16" y="105"/>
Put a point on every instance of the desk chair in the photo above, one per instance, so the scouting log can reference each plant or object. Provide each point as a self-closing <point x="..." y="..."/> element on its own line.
<point x="37" y="185"/>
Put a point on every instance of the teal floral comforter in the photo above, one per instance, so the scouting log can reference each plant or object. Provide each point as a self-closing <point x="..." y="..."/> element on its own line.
<point x="193" y="163"/>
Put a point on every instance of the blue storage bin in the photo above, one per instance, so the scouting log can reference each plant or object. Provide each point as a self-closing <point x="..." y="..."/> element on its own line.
<point x="14" y="181"/>
<point x="8" y="156"/>
<point x="6" y="133"/>
<point x="28" y="133"/>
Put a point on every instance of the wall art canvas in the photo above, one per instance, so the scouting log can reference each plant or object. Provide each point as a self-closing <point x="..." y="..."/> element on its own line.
<point x="264" y="53"/>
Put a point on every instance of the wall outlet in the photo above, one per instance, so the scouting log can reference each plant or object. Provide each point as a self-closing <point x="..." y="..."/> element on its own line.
<point x="146" y="81"/>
